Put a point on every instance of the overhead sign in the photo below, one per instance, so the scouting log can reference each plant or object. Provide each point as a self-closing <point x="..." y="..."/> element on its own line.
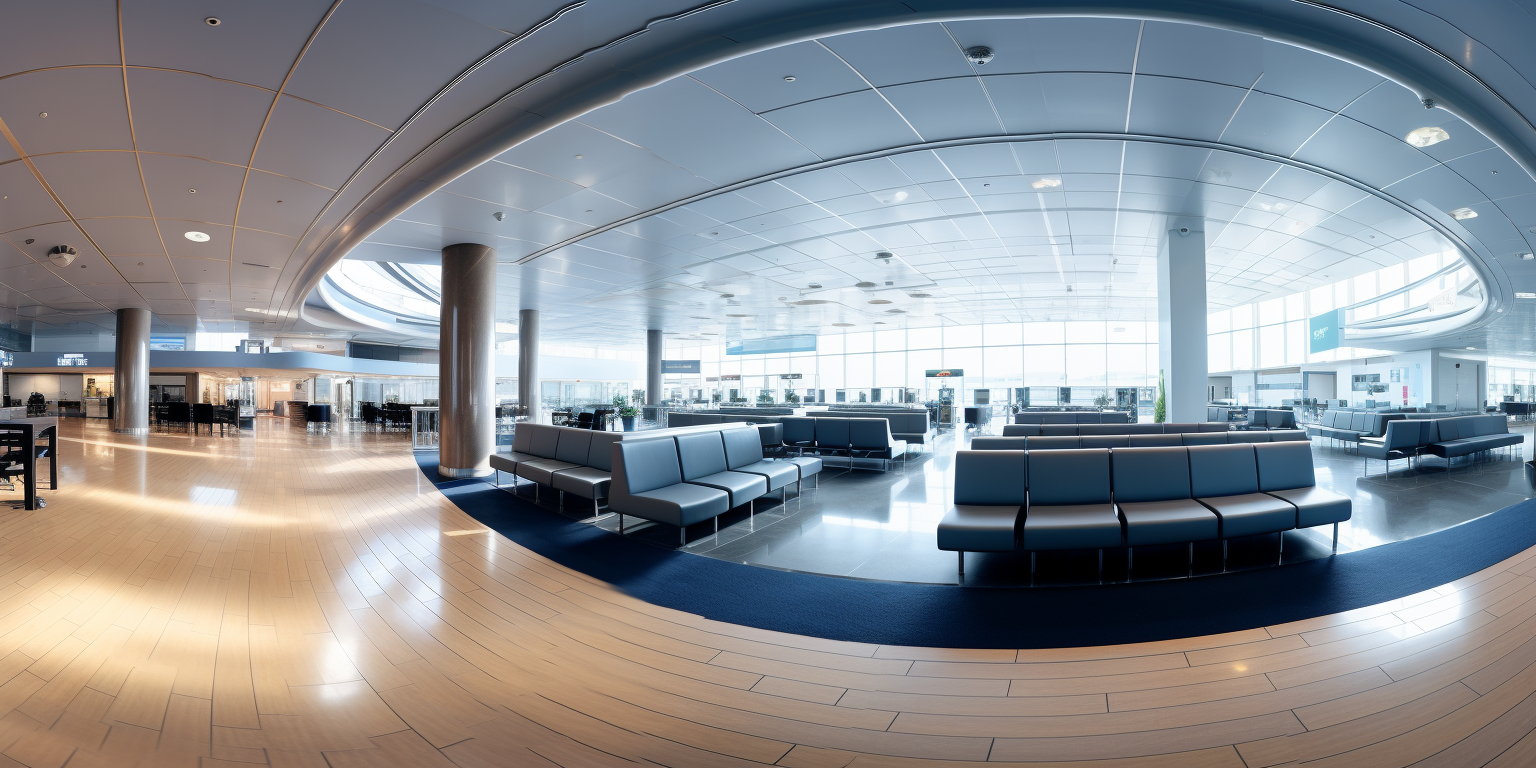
<point x="1443" y="301"/>
<point x="773" y="345"/>
<point x="168" y="343"/>
<point x="730" y="377"/>
<point x="680" y="366"/>
<point x="1326" y="330"/>
<point x="944" y="373"/>
<point x="789" y="376"/>
<point x="73" y="360"/>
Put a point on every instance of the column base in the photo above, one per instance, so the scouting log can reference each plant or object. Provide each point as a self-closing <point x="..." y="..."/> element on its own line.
<point x="134" y="431"/>
<point x="456" y="473"/>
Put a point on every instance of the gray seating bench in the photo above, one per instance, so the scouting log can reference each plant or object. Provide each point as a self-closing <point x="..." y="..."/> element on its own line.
<point x="1052" y="442"/>
<point x="1071" y="417"/>
<point x="702" y="459"/>
<point x="1467" y="435"/>
<point x="1060" y="430"/>
<point x="1082" y="498"/>
<point x="743" y="454"/>
<point x="648" y="483"/>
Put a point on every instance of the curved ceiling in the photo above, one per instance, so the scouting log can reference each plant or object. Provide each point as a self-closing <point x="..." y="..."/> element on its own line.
<point x="351" y="111"/>
<point x="1031" y="187"/>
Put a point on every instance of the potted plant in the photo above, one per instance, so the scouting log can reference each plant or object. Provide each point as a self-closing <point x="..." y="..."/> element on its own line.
<point x="790" y="397"/>
<point x="765" y="398"/>
<point x="1101" y="402"/>
<point x="627" y="414"/>
<point x="1160" y="408"/>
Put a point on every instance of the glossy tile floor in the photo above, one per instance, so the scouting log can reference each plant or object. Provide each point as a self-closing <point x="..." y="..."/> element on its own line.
<point x="291" y="599"/>
<point x="872" y="525"/>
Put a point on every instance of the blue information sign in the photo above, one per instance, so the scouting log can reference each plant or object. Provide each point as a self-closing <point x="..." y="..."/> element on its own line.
<point x="680" y="366"/>
<point x="1327" y="330"/>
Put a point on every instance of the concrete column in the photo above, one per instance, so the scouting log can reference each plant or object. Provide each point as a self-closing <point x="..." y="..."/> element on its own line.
<point x="194" y="387"/>
<point x="1181" y="320"/>
<point x="130" y="374"/>
<point x="528" y="389"/>
<point x="467" y="361"/>
<point x="652" y="367"/>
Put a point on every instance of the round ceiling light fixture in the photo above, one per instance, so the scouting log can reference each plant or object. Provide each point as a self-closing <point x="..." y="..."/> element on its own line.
<point x="212" y="21"/>
<point x="197" y="237"/>
<point x="1426" y="137"/>
<point x="738" y="315"/>
<point x="921" y="295"/>
<point x="1527" y="256"/>
<point x="880" y="301"/>
<point x="789" y="78"/>
<point x="1046" y="183"/>
<point x="843" y="325"/>
<point x="864" y="284"/>
<point x="727" y="295"/>
<point x="884" y="255"/>
<point x="1462" y="214"/>
<point x="808" y="302"/>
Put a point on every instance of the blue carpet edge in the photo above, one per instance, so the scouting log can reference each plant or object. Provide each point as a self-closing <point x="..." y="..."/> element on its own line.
<point x="936" y="615"/>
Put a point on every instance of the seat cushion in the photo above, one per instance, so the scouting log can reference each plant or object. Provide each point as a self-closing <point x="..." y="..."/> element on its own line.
<point x="1316" y="506"/>
<point x="681" y="504"/>
<point x="808" y="465"/>
<point x="1250" y="514"/>
<point x="1168" y="522"/>
<point x="973" y="528"/>
<point x="542" y="471"/>
<point x="586" y="482"/>
<point x="777" y="473"/>
<point x="991" y="443"/>
<point x="1075" y="526"/>
<point x="742" y="486"/>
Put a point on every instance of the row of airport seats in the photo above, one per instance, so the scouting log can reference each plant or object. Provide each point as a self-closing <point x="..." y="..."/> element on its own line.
<point x="1105" y="498"/>
<point x="908" y="426"/>
<point x="1072" y="417"/>
<point x="689" y="478"/>
<point x="1042" y="430"/>
<point x="1058" y="442"/>
<point x="1270" y="418"/>
<point x="867" y="438"/>
<point x="568" y="459"/>
<point x="1351" y="425"/>
<point x="1446" y="438"/>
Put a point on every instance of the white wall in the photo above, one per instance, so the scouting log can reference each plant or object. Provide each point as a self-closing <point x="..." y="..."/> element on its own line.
<point x="1415" y="375"/>
<point x="53" y="386"/>
<point x="79" y="342"/>
<point x="1449" y="378"/>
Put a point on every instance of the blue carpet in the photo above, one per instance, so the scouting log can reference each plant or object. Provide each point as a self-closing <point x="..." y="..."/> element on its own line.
<point x="957" y="617"/>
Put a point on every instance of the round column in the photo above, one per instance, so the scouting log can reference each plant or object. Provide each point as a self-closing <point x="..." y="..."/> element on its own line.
<point x="653" y="366"/>
<point x="528" y="362"/>
<point x="467" y="361"/>
<point x="130" y="373"/>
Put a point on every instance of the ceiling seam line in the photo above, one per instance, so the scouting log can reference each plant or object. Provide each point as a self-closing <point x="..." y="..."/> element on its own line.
<point x="1219" y="138"/>
<point x="915" y="132"/>
<point x="256" y="147"/>
<point x="770" y="124"/>
<point x="1130" y="101"/>
<point x="138" y="163"/>
<point x="980" y="81"/>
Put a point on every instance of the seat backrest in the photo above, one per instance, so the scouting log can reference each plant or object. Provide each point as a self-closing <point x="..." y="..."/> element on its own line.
<point x="989" y="443"/>
<point x="1207" y="438"/>
<point x="1150" y="474"/>
<point x="869" y="434"/>
<point x="991" y="478"/>
<point x="742" y="447"/>
<point x="1282" y="420"/>
<point x="1359" y="421"/>
<point x="1491" y="425"/>
<point x="700" y="454"/>
<point x="1283" y="466"/>
<point x="545" y="441"/>
<point x="1257" y="418"/>
<point x="1284" y="435"/>
<point x="1115" y="417"/>
<point x="1142" y="429"/>
<point x="522" y="437"/>
<point x="600" y="455"/>
<point x="1087" y="417"/>
<point x="1102" y="429"/>
<point x="1450" y="429"/>
<point x="1403" y="434"/>
<point x="575" y="445"/>
<point x="1213" y="426"/>
<point x="1222" y="470"/>
<point x="1053" y="442"/>
<point x="1026" y="418"/>
<point x="202" y="413"/>
<point x="1180" y="428"/>
<point x="832" y="433"/>
<point x="1079" y="476"/>
<point x="1248" y="437"/>
<point x="649" y="464"/>
<point x="1149" y="441"/>
<point x="1021" y="430"/>
<point x="799" y="429"/>
<point x="1057" y="418"/>
<point x="1059" y="430"/>
<point x="1105" y="441"/>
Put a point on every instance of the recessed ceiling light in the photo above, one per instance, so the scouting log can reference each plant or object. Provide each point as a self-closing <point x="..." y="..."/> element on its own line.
<point x="1471" y="347"/>
<point x="727" y="295"/>
<point x="738" y="315"/>
<point x="1047" y="183"/>
<point x="789" y="78"/>
<point x="843" y="325"/>
<point x="808" y="302"/>
<point x="197" y="237"/>
<point x="880" y="301"/>
<point x="1524" y="295"/>
<point x="884" y="255"/>
<point x="814" y="286"/>
<point x="42" y="114"/>
<point x="864" y="284"/>
<point x="212" y="21"/>
<point x="1424" y="137"/>
<point x="1463" y="213"/>
<point x="1527" y="256"/>
<point x="920" y="295"/>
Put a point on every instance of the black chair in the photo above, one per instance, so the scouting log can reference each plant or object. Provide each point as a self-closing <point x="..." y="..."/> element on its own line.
<point x="203" y="413"/>
<point x="584" y="420"/>
<point x="179" y="413"/>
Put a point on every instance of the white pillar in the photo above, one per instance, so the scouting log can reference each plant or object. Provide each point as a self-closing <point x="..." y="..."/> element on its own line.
<point x="1181" y="320"/>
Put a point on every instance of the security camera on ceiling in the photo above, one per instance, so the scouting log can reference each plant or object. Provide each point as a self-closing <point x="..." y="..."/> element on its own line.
<point x="62" y="255"/>
<point x="979" y="54"/>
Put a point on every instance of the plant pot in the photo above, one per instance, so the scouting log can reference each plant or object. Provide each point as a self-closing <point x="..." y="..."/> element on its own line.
<point x="628" y="422"/>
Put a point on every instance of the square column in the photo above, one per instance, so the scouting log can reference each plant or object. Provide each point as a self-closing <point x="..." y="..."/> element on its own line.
<point x="1181" y="316"/>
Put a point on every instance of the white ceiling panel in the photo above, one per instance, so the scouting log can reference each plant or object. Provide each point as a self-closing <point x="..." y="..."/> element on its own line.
<point x="1085" y="101"/>
<point x="124" y="236"/>
<point x="289" y="146"/>
<point x="1053" y="44"/>
<point x="902" y="54"/>
<point x="85" y="108"/>
<point x="96" y="183"/>
<point x="171" y="181"/>
<point x="263" y="248"/>
<point x="179" y="113"/>
<point x="1200" y="53"/>
<point x="24" y="202"/>
<point x="176" y="244"/>
<point x="821" y="126"/>
<point x="946" y="109"/>
<point x="758" y="82"/>
<point x="149" y="269"/>
<point x="280" y="204"/>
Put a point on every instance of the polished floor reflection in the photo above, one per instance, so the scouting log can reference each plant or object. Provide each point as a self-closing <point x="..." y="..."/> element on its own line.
<point x="294" y="599"/>
<point x="864" y="523"/>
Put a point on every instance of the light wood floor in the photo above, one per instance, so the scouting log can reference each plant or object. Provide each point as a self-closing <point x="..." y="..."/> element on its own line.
<point x="312" y="601"/>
